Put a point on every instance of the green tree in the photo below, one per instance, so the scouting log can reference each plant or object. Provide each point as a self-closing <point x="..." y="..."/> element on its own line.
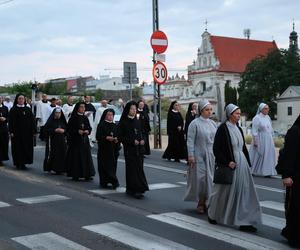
<point x="265" y="78"/>
<point x="99" y="94"/>
<point x="23" y="87"/>
<point x="230" y="94"/>
<point x="137" y="93"/>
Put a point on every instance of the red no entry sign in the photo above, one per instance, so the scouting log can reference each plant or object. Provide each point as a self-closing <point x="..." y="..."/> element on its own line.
<point x="159" y="42"/>
<point x="160" y="73"/>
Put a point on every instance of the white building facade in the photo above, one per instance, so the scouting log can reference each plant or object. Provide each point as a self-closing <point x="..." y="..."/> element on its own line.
<point x="288" y="108"/>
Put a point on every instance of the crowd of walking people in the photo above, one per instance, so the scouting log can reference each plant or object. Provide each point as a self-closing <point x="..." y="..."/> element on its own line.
<point x="220" y="168"/>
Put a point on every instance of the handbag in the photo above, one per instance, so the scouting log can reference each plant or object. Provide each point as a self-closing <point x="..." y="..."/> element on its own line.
<point x="224" y="174"/>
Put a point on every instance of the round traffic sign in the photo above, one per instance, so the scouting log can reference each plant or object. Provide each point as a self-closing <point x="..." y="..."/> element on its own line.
<point x="160" y="73"/>
<point x="159" y="41"/>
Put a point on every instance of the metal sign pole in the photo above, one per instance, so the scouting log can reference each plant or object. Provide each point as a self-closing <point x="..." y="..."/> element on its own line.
<point x="156" y="87"/>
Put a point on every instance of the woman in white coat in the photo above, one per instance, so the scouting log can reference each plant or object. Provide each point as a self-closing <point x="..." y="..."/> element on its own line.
<point x="262" y="151"/>
<point x="200" y="139"/>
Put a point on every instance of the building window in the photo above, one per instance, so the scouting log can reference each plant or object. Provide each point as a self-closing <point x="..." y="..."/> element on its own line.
<point x="290" y="110"/>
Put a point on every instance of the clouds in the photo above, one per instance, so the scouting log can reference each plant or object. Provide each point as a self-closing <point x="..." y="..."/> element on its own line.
<point x="56" y="38"/>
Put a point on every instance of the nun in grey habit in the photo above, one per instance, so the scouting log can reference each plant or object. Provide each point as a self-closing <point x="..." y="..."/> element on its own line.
<point x="200" y="138"/>
<point x="262" y="151"/>
<point x="237" y="203"/>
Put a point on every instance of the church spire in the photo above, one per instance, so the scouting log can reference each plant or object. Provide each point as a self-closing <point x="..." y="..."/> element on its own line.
<point x="293" y="39"/>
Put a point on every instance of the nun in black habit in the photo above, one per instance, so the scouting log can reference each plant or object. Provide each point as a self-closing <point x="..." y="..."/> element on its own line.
<point x="79" y="162"/>
<point x="22" y="128"/>
<point x="108" y="149"/>
<point x="143" y="116"/>
<point x="56" y="146"/>
<point x="130" y="134"/>
<point x="176" y="148"/>
<point x="191" y="114"/>
<point x="288" y="167"/>
<point x="3" y="133"/>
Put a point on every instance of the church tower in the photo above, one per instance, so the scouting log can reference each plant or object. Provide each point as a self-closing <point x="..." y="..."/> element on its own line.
<point x="293" y="39"/>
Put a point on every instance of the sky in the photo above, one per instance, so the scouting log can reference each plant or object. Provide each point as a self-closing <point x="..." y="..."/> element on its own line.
<point x="44" y="39"/>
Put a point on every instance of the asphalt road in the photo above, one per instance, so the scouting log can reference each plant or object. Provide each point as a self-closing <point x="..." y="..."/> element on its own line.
<point x="43" y="211"/>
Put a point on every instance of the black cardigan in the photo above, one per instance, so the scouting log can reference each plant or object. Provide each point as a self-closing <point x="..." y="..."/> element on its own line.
<point x="221" y="149"/>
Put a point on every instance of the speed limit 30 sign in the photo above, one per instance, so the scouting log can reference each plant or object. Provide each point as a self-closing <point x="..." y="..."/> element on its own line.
<point x="160" y="73"/>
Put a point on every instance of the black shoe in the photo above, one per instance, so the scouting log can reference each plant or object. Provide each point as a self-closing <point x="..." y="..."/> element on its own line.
<point x="88" y="178"/>
<point x="75" y="178"/>
<point x="211" y="221"/>
<point x="23" y="167"/>
<point x="115" y="186"/>
<point x="248" y="228"/>
<point x="177" y="160"/>
<point x="138" y="195"/>
<point x="1" y="164"/>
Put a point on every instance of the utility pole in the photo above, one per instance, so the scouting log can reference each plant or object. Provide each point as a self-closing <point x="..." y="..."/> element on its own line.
<point x="156" y="87"/>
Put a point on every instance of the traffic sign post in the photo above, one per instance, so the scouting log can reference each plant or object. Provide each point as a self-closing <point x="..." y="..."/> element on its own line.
<point x="160" y="73"/>
<point x="159" y="44"/>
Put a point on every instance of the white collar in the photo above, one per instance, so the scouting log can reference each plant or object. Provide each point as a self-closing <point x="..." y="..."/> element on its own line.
<point x="140" y="110"/>
<point x="20" y="106"/>
<point x="175" y="111"/>
<point x="79" y="113"/>
<point x="203" y="119"/>
<point x="131" y="117"/>
<point x="109" y="121"/>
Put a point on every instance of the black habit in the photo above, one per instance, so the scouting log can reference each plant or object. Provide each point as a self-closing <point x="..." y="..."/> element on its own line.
<point x="79" y="162"/>
<point x="90" y="108"/>
<point x="108" y="153"/>
<point x="22" y="126"/>
<point x="189" y="117"/>
<point x="145" y="126"/>
<point x="176" y="148"/>
<point x="56" y="146"/>
<point x="288" y="166"/>
<point x="221" y="148"/>
<point x="3" y="133"/>
<point x="129" y="130"/>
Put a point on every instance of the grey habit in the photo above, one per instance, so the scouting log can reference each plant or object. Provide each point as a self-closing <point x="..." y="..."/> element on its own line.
<point x="236" y="204"/>
<point x="200" y="139"/>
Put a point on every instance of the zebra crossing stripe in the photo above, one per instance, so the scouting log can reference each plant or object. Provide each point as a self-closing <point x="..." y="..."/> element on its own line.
<point x="226" y="234"/>
<point x="272" y="205"/>
<point x="273" y="221"/>
<point x="42" y="199"/>
<point x="134" y="237"/>
<point x="155" y="186"/>
<point x="4" y="204"/>
<point x="48" y="241"/>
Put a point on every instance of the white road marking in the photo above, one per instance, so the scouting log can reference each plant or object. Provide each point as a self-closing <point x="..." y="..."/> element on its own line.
<point x="155" y="186"/>
<point x="273" y="221"/>
<point x="134" y="237"/>
<point x="226" y="234"/>
<point x="48" y="241"/>
<point x="272" y="205"/>
<point x="108" y="191"/>
<point x="270" y="189"/>
<point x="42" y="199"/>
<point x="4" y="204"/>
